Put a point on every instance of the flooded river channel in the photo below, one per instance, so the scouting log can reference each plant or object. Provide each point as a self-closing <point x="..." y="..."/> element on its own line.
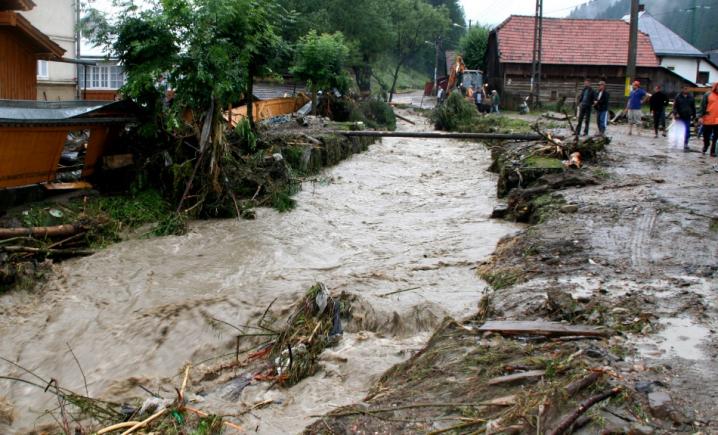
<point x="407" y="214"/>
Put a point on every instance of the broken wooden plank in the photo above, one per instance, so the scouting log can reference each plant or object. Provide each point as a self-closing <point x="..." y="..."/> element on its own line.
<point x="500" y="401"/>
<point x="434" y="134"/>
<point x="546" y="329"/>
<point x="405" y="119"/>
<point x="77" y="185"/>
<point x="517" y="377"/>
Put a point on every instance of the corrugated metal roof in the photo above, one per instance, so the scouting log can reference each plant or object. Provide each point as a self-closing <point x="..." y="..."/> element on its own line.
<point x="664" y="40"/>
<point x="268" y="91"/>
<point x="22" y="110"/>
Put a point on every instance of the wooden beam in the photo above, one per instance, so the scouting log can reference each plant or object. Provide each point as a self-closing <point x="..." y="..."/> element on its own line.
<point x="547" y="329"/>
<point x="441" y="135"/>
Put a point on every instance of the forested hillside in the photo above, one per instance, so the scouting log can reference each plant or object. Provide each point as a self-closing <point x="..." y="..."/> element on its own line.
<point x="694" y="20"/>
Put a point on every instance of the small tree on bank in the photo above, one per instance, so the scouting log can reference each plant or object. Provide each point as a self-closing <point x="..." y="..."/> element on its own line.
<point x="320" y="61"/>
<point x="473" y="47"/>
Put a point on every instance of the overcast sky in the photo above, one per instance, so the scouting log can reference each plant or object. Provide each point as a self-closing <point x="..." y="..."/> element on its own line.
<point x="495" y="11"/>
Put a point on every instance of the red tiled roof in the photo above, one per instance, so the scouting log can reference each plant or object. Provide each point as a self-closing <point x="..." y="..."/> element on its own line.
<point x="572" y="42"/>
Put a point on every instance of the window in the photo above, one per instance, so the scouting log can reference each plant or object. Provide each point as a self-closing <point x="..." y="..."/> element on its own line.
<point x="42" y="69"/>
<point x="103" y="77"/>
<point x="703" y="77"/>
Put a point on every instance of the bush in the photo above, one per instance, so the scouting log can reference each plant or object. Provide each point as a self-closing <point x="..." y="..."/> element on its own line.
<point x="375" y="114"/>
<point x="455" y="114"/>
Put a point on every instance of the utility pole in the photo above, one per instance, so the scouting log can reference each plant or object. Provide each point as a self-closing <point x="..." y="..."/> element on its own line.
<point x="536" y="57"/>
<point x="437" y="41"/>
<point x="632" y="47"/>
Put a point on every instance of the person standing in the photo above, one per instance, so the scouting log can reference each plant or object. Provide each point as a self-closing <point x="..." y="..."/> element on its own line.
<point x="601" y="105"/>
<point x="658" y="103"/>
<point x="709" y="119"/>
<point x="585" y="102"/>
<point x="636" y="98"/>
<point x="495" y="100"/>
<point x="684" y="109"/>
<point x="479" y="100"/>
<point x="456" y="74"/>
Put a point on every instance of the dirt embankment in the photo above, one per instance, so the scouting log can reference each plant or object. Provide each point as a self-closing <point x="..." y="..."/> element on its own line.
<point x="627" y="244"/>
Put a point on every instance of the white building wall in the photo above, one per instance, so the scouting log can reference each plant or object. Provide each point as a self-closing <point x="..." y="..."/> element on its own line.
<point x="712" y="71"/>
<point x="56" y="19"/>
<point x="686" y="67"/>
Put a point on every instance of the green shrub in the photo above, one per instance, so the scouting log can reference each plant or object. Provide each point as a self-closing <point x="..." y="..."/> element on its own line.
<point x="374" y="113"/>
<point x="455" y="114"/>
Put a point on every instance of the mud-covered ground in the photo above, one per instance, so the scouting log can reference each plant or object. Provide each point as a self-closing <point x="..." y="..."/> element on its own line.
<point x="636" y="253"/>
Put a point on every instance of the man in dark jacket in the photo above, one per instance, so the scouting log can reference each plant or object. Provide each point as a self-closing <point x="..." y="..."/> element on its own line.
<point x="585" y="101"/>
<point x="684" y="109"/>
<point x="658" y="103"/>
<point x="601" y="105"/>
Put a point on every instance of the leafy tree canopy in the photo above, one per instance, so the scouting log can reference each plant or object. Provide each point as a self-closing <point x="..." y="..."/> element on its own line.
<point x="473" y="47"/>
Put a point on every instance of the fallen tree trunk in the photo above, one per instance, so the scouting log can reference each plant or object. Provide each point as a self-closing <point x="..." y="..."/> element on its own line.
<point x="434" y="134"/>
<point x="48" y="252"/>
<point x="55" y="231"/>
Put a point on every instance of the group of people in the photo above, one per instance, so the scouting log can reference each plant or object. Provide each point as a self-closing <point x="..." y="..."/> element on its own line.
<point x="683" y="112"/>
<point x="588" y="100"/>
<point x="485" y="103"/>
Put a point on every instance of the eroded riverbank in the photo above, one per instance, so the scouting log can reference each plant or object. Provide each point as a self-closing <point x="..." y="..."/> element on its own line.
<point x="405" y="214"/>
<point x="632" y="252"/>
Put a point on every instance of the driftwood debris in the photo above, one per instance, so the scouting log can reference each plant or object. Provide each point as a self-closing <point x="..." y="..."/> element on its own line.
<point x="531" y="374"/>
<point x="569" y="419"/>
<point x="546" y="329"/>
<point x="55" y="231"/>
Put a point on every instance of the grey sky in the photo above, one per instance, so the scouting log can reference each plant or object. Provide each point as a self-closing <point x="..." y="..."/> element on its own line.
<point x="495" y="11"/>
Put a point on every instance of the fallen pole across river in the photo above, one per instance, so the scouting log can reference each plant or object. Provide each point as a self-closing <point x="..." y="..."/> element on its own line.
<point x="450" y="135"/>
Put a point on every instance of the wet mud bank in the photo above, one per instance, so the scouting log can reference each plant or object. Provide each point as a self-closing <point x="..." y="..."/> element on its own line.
<point x="627" y="246"/>
<point x="394" y="232"/>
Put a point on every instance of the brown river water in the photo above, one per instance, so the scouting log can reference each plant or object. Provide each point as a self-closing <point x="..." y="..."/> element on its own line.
<point x="407" y="213"/>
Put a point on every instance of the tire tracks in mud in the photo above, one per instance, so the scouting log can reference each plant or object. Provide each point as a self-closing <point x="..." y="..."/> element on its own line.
<point x="640" y="240"/>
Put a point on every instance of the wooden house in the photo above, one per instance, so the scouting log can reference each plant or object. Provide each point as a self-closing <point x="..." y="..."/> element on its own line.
<point x="572" y="50"/>
<point x="21" y="46"/>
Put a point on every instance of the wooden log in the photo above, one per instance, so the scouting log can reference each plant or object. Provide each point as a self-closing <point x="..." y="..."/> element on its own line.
<point x="569" y="419"/>
<point x="517" y="377"/>
<point x="55" y="231"/>
<point x="48" y="252"/>
<point x="405" y="119"/>
<point x="547" y="329"/>
<point x="442" y="135"/>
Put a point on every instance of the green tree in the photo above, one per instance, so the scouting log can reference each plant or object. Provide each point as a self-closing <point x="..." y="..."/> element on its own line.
<point x="206" y="52"/>
<point x="412" y="23"/>
<point x="320" y="60"/>
<point x="365" y="25"/>
<point x="473" y="47"/>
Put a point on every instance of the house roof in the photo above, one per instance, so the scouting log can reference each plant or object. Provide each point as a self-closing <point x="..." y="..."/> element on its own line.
<point x="43" y="46"/>
<point x="665" y="41"/>
<point x="16" y="5"/>
<point x="571" y="42"/>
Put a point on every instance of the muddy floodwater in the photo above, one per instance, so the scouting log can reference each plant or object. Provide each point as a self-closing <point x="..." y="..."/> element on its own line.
<point x="407" y="214"/>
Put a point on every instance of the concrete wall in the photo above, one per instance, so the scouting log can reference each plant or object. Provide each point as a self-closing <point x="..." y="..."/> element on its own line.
<point x="56" y="18"/>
